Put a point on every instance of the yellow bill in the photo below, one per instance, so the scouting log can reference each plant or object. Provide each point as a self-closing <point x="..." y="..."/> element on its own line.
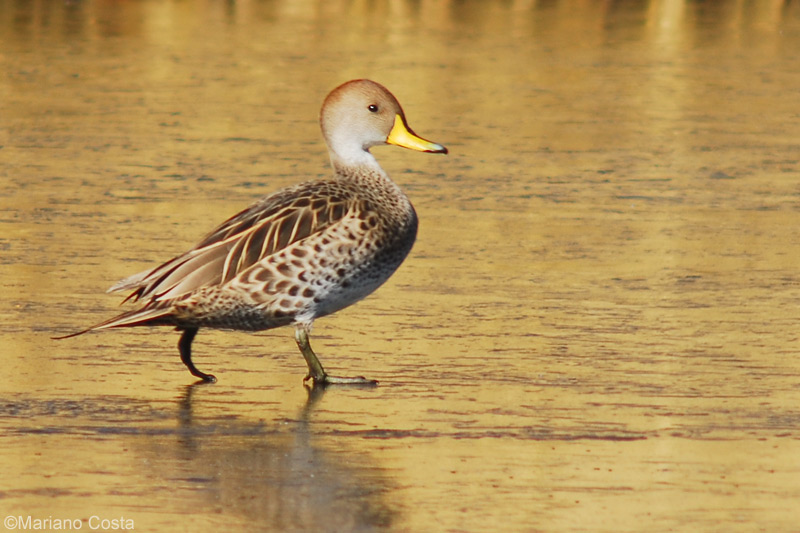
<point x="401" y="135"/>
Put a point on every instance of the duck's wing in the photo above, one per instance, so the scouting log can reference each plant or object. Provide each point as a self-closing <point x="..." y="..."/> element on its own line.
<point x="263" y="229"/>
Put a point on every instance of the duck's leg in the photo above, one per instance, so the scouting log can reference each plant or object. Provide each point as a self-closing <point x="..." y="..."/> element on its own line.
<point x="185" y="346"/>
<point x="315" y="370"/>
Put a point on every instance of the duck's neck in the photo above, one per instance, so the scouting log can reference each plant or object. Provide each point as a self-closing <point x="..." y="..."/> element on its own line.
<point x="372" y="184"/>
<point x="371" y="179"/>
<point x="355" y="163"/>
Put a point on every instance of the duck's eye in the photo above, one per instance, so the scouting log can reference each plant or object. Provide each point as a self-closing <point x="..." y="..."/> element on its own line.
<point x="373" y="108"/>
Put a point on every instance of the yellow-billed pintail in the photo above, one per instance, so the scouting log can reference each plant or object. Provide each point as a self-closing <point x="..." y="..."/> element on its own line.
<point x="301" y="253"/>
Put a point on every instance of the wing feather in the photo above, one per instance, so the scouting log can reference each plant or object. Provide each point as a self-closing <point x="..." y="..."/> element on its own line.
<point x="263" y="229"/>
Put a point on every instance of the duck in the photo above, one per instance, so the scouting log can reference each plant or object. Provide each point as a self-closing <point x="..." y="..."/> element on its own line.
<point x="301" y="253"/>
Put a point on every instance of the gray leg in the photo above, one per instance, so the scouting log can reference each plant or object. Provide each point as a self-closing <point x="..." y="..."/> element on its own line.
<point x="185" y="346"/>
<point x="315" y="370"/>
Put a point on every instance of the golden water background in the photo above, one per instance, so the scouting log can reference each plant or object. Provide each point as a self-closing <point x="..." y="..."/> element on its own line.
<point x="597" y="327"/>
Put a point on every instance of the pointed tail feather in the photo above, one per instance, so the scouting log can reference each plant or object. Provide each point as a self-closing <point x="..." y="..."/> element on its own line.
<point x="131" y="282"/>
<point x="137" y="317"/>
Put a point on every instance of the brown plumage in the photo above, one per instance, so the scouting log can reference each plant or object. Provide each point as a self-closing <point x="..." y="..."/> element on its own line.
<point x="301" y="253"/>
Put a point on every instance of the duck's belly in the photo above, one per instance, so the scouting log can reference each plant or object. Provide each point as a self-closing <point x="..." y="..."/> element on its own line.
<point x="348" y="283"/>
<point x="347" y="292"/>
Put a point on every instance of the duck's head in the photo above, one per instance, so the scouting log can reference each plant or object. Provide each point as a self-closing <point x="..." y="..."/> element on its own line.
<point x="361" y="114"/>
